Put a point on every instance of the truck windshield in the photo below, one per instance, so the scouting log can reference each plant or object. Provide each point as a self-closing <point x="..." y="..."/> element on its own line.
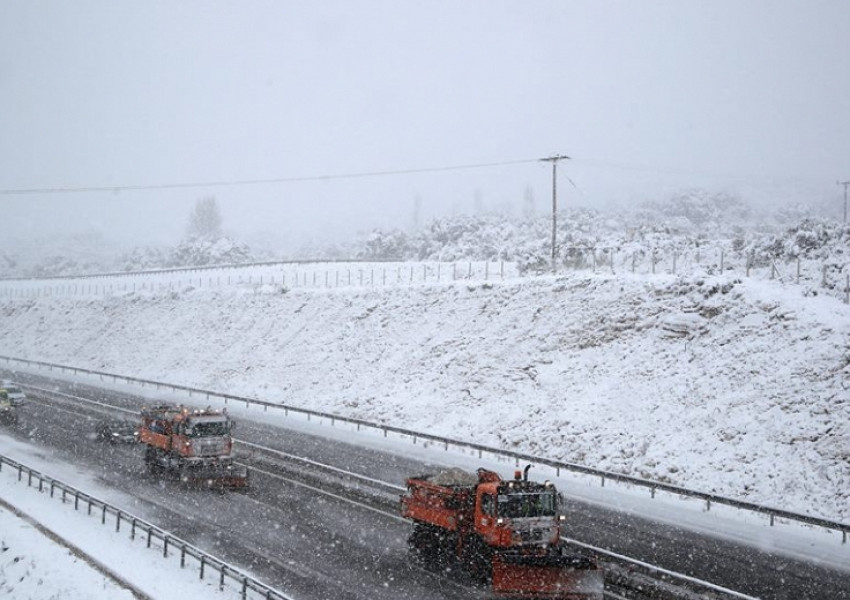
<point x="208" y="428"/>
<point x="514" y="506"/>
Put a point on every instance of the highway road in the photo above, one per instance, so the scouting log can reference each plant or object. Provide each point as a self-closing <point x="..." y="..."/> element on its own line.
<point x="334" y="546"/>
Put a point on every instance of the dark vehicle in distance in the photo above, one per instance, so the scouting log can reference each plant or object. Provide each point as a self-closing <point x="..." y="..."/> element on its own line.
<point x="117" y="431"/>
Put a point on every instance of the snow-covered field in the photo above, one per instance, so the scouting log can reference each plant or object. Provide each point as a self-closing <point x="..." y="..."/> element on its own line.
<point x="717" y="383"/>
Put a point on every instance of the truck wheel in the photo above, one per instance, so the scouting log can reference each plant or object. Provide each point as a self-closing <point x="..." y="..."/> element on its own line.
<point x="425" y="543"/>
<point x="478" y="558"/>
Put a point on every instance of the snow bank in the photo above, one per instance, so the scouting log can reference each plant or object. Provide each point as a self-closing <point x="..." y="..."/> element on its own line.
<point x="33" y="566"/>
<point x="715" y="383"/>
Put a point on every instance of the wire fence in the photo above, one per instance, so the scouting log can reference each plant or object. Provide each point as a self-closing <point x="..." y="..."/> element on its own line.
<point x="229" y="578"/>
<point x="283" y="275"/>
<point x="832" y="279"/>
<point x="817" y="277"/>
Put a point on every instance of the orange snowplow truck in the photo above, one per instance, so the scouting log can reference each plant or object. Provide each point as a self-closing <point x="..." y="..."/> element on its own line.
<point x="503" y="532"/>
<point x="193" y="445"/>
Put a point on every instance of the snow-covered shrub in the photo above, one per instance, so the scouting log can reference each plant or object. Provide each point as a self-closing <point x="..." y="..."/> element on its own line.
<point x="197" y="252"/>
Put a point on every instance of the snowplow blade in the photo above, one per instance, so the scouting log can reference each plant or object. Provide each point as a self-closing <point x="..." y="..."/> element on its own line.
<point x="230" y="476"/>
<point x="550" y="576"/>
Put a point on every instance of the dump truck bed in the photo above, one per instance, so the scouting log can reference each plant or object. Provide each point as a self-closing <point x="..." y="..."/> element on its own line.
<point x="438" y="499"/>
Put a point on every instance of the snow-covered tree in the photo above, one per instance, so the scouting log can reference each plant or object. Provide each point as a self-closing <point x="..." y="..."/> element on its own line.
<point x="205" y="220"/>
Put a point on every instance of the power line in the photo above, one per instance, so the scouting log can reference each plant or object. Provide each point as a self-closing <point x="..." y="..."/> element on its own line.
<point x="245" y="182"/>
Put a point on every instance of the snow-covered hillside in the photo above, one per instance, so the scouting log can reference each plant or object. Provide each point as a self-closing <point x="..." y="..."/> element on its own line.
<point x="719" y="383"/>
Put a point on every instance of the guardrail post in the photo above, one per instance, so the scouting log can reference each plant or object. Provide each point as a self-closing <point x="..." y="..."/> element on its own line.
<point x="603" y="480"/>
<point x="221" y="571"/>
<point x="244" y="588"/>
<point x="76" y="500"/>
<point x="103" y="516"/>
<point x="183" y="556"/>
<point x="133" y="529"/>
<point x="771" y="519"/>
<point x="203" y="562"/>
<point x="89" y="511"/>
<point x="708" y="504"/>
<point x="165" y="546"/>
<point x="149" y="536"/>
<point x="117" y="521"/>
<point x="652" y="492"/>
<point x="52" y="487"/>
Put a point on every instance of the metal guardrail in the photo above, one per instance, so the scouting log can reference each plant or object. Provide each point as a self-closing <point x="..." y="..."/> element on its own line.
<point x="604" y="476"/>
<point x="140" y="527"/>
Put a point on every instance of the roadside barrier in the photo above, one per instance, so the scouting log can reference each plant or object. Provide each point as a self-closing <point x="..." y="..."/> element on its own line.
<point x="245" y="586"/>
<point x="773" y="514"/>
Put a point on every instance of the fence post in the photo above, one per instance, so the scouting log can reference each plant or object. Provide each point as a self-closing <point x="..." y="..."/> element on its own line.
<point x="823" y="279"/>
<point x="722" y="259"/>
<point x="798" y="270"/>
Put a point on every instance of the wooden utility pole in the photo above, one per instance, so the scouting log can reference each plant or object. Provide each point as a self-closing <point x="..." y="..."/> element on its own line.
<point x="554" y="160"/>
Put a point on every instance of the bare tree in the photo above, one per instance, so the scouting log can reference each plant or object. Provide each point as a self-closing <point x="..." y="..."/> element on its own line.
<point x="205" y="219"/>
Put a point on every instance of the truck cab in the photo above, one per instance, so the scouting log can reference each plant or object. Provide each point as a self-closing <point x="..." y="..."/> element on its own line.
<point x="517" y="513"/>
<point x="15" y="394"/>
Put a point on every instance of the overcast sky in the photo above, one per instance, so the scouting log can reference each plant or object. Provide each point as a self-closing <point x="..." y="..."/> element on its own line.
<point x="646" y="97"/>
